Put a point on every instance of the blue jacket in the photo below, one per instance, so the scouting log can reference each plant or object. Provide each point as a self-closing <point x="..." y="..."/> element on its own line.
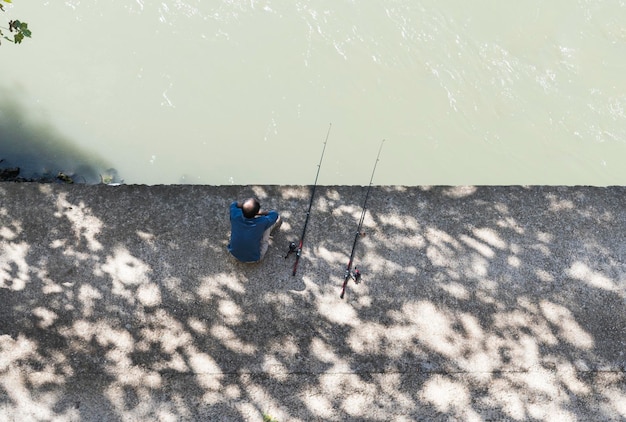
<point x="246" y="233"/>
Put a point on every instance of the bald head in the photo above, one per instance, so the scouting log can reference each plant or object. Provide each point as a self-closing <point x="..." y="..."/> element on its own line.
<point x="250" y="207"/>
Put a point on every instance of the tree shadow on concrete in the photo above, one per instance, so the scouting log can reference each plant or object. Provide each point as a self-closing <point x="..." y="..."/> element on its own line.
<point x="476" y="303"/>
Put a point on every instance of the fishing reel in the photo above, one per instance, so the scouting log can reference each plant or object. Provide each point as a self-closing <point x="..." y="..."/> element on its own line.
<point x="292" y="249"/>
<point x="354" y="275"/>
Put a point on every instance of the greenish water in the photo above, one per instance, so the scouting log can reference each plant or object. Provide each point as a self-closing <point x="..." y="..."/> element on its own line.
<point x="243" y="92"/>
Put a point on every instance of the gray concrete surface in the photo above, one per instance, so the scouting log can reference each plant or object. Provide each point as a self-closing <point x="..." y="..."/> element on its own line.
<point x="477" y="303"/>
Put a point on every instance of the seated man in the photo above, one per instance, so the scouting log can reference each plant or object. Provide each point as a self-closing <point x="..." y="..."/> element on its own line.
<point x="250" y="230"/>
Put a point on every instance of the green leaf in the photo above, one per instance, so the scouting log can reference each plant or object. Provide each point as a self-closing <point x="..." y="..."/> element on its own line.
<point x="23" y="28"/>
<point x="18" y="38"/>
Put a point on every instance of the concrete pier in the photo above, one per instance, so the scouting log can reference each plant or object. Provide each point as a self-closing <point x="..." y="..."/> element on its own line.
<point x="476" y="304"/>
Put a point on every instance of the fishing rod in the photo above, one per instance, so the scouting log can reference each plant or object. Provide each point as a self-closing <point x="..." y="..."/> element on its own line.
<point x="298" y="248"/>
<point x="356" y="274"/>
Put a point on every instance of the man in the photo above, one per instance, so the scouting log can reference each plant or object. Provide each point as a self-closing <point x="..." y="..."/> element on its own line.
<point x="250" y="230"/>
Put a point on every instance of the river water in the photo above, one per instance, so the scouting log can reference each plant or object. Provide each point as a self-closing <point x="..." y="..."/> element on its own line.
<point x="244" y="92"/>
